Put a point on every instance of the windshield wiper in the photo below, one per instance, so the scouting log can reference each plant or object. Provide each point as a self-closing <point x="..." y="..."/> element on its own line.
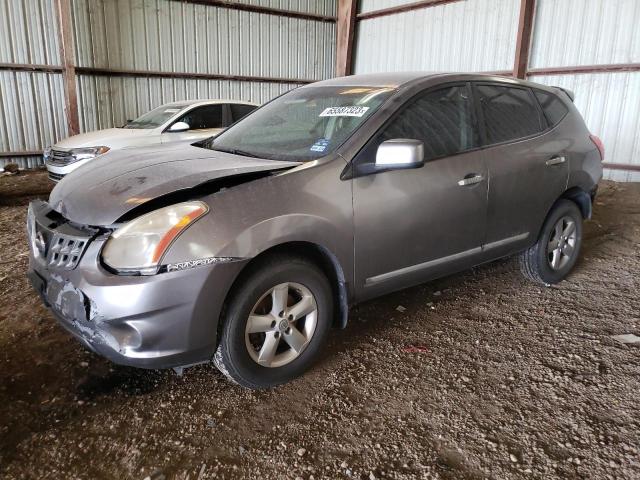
<point x="235" y="151"/>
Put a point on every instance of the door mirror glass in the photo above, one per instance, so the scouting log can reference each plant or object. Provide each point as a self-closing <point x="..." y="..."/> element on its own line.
<point x="179" y="127"/>
<point x="400" y="153"/>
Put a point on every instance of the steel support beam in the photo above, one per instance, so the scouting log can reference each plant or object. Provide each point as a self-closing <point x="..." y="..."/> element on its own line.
<point x="604" y="68"/>
<point x="32" y="153"/>
<point x="345" y="33"/>
<point x="117" y="72"/>
<point x="622" y="166"/>
<point x="383" y="12"/>
<point x="523" y="43"/>
<point x="67" y="48"/>
<point x="232" y="5"/>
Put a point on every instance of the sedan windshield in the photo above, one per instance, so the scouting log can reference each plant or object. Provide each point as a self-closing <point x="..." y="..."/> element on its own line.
<point x="302" y="125"/>
<point x="155" y="117"/>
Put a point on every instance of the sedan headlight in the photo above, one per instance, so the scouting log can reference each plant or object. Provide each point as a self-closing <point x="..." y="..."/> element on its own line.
<point x="138" y="246"/>
<point x="67" y="157"/>
<point x="77" y="154"/>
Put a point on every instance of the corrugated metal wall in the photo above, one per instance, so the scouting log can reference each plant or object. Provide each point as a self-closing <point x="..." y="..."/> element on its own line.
<point x="476" y="35"/>
<point x="149" y="35"/>
<point x="610" y="105"/>
<point x="595" y="32"/>
<point x="481" y="35"/>
<point x="109" y="101"/>
<point x="31" y="103"/>
<point x="172" y="36"/>
<point x="372" y="5"/>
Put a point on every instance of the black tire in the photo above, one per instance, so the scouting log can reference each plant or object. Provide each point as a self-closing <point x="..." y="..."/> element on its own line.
<point x="232" y="356"/>
<point x="535" y="262"/>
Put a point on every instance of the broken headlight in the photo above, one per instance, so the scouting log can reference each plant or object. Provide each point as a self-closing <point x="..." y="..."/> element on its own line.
<point x="138" y="246"/>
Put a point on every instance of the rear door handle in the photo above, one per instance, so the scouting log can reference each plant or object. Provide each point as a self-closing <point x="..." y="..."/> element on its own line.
<point x="555" y="161"/>
<point x="470" y="179"/>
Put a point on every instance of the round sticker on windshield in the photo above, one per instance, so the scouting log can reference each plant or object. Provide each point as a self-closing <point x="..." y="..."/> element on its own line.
<point x="353" y="111"/>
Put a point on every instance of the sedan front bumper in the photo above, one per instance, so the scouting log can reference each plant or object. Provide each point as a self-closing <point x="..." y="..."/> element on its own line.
<point x="158" y="321"/>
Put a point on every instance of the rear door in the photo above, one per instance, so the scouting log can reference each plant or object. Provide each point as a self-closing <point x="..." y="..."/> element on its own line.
<point x="411" y="225"/>
<point x="240" y="110"/>
<point x="528" y="168"/>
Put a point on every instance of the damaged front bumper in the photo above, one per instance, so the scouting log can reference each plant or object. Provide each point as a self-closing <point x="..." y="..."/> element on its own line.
<point x="159" y="321"/>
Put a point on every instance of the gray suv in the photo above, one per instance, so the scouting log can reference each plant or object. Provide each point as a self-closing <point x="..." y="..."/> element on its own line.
<point x="246" y="249"/>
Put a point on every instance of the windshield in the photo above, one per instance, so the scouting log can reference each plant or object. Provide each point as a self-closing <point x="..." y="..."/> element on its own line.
<point x="155" y="117"/>
<point x="302" y="125"/>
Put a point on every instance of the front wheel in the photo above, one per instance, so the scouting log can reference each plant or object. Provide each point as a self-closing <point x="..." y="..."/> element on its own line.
<point x="555" y="253"/>
<point x="275" y="323"/>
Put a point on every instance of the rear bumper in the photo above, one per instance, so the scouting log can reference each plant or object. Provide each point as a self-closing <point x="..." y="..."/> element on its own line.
<point x="158" y="321"/>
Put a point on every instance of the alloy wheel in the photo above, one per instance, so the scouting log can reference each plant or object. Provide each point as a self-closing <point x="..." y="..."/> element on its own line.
<point x="562" y="243"/>
<point x="281" y="324"/>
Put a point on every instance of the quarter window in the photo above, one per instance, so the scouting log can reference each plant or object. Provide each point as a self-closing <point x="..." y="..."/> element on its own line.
<point x="509" y="113"/>
<point x="554" y="108"/>
<point x="441" y="119"/>
<point x="203" y="118"/>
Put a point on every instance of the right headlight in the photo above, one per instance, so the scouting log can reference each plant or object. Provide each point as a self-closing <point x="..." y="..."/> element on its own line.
<point x="138" y="246"/>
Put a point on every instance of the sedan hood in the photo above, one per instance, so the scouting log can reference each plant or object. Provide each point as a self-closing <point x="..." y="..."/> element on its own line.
<point x="102" y="191"/>
<point x="111" y="137"/>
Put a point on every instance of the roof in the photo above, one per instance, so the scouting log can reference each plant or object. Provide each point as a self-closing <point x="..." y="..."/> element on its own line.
<point x="211" y="101"/>
<point x="397" y="79"/>
<point x="387" y="79"/>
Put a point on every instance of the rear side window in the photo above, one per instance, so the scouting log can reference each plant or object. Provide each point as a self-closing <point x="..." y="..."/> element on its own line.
<point x="238" y="110"/>
<point x="554" y="108"/>
<point x="202" y="118"/>
<point x="441" y="119"/>
<point x="509" y="113"/>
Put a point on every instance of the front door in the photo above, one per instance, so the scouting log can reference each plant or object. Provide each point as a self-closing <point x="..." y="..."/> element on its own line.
<point x="204" y="122"/>
<point x="412" y="225"/>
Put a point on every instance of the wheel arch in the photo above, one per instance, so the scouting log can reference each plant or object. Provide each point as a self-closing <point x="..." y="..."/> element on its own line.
<point x="321" y="257"/>
<point x="581" y="198"/>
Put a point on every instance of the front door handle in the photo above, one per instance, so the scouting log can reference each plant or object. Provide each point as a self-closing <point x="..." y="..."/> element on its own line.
<point x="470" y="179"/>
<point x="557" y="160"/>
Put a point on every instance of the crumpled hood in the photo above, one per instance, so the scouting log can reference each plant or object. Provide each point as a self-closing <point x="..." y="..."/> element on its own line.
<point x="101" y="191"/>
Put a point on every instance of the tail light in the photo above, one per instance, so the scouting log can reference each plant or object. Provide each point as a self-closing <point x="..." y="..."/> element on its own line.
<point x="599" y="145"/>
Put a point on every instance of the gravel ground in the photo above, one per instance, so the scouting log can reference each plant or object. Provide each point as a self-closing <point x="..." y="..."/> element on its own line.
<point x="479" y="375"/>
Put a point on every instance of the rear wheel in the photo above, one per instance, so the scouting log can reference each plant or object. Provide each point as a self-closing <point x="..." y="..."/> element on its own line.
<point x="555" y="253"/>
<point x="275" y="323"/>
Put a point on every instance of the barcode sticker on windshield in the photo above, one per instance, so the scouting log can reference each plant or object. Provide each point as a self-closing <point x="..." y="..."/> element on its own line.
<point x="344" y="111"/>
<point x="172" y="110"/>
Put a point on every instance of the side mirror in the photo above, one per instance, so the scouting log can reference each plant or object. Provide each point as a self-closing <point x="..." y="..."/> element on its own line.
<point x="400" y="153"/>
<point x="179" y="127"/>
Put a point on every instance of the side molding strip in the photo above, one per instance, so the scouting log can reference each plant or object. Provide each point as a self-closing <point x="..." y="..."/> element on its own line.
<point x="506" y="241"/>
<point x="439" y="261"/>
<point x="421" y="266"/>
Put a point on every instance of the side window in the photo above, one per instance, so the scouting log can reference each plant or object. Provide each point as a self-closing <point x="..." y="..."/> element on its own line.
<point x="554" y="108"/>
<point x="442" y="119"/>
<point x="509" y="113"/>
<point x="202" y="118"/>
<point x="239" y="110"/>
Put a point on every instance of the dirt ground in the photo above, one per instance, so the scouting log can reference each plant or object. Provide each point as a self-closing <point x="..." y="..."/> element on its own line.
<point x="482" y="376"/>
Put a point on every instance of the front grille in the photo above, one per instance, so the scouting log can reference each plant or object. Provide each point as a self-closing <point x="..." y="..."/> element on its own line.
<point x="56" y="177"/>
<point x="65" y="251"/>
<point x="58" y="243"/>
<point x="59" y="158"/>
